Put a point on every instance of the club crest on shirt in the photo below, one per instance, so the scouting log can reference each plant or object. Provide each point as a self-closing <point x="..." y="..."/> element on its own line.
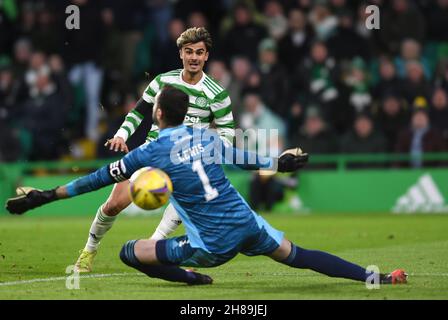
<point x="201" y="102"/>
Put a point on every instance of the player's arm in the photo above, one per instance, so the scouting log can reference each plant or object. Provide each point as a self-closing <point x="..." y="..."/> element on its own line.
<point x="115" y="172"/>
<point x="132" y="121"/>
<point x="142" y="110"/>
<point x="221" y="108"/>
<point x="289" y="161"/>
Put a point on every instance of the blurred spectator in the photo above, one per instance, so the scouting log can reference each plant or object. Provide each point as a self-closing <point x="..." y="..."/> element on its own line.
<point x="43" y="116"/>
<point x="46" y="34"/>
<point x="112" y="53"/>
<point x="357" y="82"/>
<point x="420" y="138"/>
<point x="323" y="21"/>
<point x="437" y="21"/>
<point x="243" y="38"/>
<point x="265" y="191"/>
<point x="218" y="71"/>
<point x="266" y="136"/>
<point x="295" y="45"/>
<point x="303" y="5"/>
<point x="439" y="111"/>
<point x="197" y="19"/>
<point x="59" y="75"/>
<point x="257" y="116"/>
<point x="363" y="138"/>
<point x="411" y="51"/>
<point x="399" y="22"/>
<point x="354" y="44"/>
<point x="8" y="16"/>
<point x="28" y="19"/>
<point x="415" y="85"/>
<point x="37" y="64"/>
<point x="22" y="55"/>
<point x="10" y="147"/>
<point x="160" y="12"/>
<point x="317" y="80"/>
<point x="253" y="81"/>
<point x="83" y="51"/>
<point x="274" y="78"/>
<point x="295" y="118"/>
<point x="168" y="53"/>
<point x="8" y="88"/>
<point x="392" y="119"/>
<point x="240" y="70"/>
<point x="276" y="21"/>
<point x="388" y="83"/>
<point x="341" y="6"/>
<point x="211" y="11"/>
<point x="315" y="137"/>
<point x="361" y="22"/>
<point x="317" y="75"/>
<point x="125" y="24"/>
<point x="443" y="80"/>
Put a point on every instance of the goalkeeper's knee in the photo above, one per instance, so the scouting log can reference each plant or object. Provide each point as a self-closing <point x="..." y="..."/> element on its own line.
<point x="127" y="254"/>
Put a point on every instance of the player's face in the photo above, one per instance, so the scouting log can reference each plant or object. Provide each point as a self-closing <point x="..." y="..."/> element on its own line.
<point x="193" y="56"/>
<point x="156" y="116"/>
<point x="156" y="112"/>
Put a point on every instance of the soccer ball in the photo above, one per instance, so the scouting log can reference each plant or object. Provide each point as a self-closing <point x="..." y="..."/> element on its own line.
<point x="150" y="188"/>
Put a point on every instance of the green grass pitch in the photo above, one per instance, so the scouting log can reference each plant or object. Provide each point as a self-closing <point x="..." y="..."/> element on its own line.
<point x="35" y="251"/>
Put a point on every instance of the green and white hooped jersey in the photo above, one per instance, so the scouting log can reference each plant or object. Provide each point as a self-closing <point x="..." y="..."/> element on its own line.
<point x="208" y="101"/>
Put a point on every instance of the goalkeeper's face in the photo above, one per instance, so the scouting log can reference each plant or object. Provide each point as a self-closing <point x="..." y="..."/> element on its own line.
<point x="194" y="56"/>
<point x="156" y="112"/>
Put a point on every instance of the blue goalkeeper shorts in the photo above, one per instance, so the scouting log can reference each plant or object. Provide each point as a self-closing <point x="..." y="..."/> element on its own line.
<point x="177" y="251"/>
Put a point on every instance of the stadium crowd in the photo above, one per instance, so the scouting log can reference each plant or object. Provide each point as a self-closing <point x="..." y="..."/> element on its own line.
<point x="310" y="69"/>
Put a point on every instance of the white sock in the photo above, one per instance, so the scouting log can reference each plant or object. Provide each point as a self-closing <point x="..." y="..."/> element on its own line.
<point x="100" y="225"/>
<point x="170" y="221"/>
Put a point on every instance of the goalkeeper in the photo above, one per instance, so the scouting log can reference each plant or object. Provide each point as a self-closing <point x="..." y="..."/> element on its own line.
<point x="219" y="223"/>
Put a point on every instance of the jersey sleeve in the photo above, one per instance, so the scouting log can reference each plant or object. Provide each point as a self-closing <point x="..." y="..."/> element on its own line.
<point x="135" y="117"/>
<point x="243" y="159"/>
<point x="112" y="173"/>
<point x="149" y="95"/>
<point x="221" y="108"/>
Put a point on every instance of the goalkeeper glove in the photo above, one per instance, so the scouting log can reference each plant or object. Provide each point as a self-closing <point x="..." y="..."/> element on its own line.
<point x="292" y="160"/>
<point x="30" y="199"/>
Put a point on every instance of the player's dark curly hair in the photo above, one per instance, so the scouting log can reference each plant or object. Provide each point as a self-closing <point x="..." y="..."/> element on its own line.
<point x="174" y="104"/>
<point x="195" y="35"/>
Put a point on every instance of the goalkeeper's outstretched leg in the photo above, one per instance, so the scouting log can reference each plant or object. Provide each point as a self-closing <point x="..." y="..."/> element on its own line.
<point x="105" y="217"/>
<point x="330" y="265"/>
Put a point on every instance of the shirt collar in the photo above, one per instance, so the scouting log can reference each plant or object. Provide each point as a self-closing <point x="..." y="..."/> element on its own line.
<point x="191" y="85"/>
<point x="168" y="131"/>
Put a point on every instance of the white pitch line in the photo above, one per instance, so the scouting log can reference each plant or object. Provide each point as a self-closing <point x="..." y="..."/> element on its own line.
<point x="109" y="275"/>
<point x="99" y="275"/>
<point x="428" y="274"/>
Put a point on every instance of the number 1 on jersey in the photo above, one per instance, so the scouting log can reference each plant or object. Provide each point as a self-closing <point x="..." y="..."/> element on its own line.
<point x="210" y="192"/>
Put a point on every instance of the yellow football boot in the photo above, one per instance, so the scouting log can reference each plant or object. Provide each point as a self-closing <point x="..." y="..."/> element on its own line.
<point x="85" y="261"/>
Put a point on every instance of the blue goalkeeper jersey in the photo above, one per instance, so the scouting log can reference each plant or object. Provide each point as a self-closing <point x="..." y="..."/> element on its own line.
<point x="215" y="215"/>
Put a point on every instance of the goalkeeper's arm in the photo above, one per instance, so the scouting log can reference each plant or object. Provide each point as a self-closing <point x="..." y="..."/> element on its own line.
<point x="289" y="161"/>
<point x="115" y="172"/>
